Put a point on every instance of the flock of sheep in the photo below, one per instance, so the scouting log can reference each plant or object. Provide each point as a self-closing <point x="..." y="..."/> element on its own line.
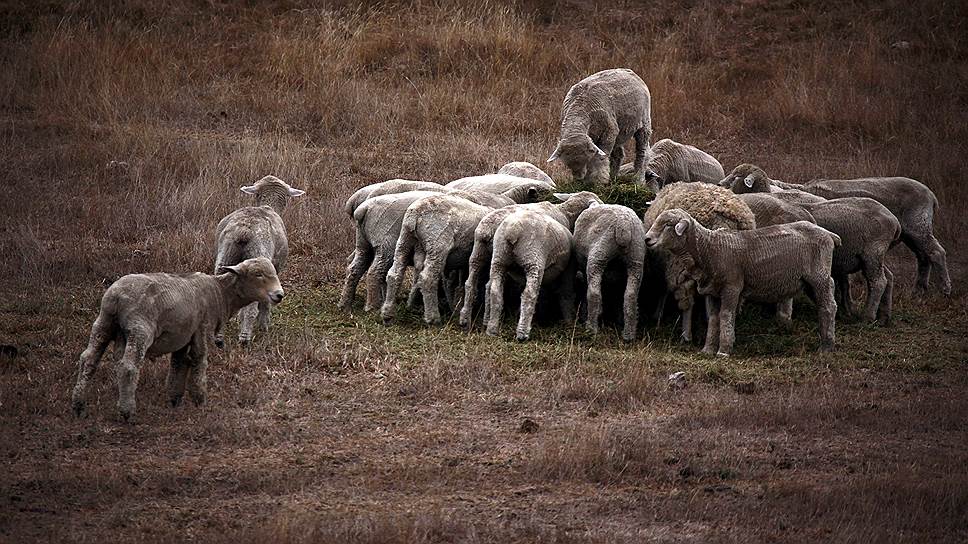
<point x="726" y="238"/>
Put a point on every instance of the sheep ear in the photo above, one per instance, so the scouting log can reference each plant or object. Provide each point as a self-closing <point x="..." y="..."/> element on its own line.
<point x="554" y="155"/>
<point x="248" y="189"/>
<point x="563" y="196"/>
<point x="296" y="192"/>
<point x="748" y="181"/>
<point x="599" y="150"/>
<point x="592" y="204"/>
<point x="229" y="270"/>
<point x="681" y="227"/>
<point x="532" y="192"/>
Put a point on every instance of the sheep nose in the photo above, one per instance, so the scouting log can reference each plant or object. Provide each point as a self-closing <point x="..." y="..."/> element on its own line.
<point x="277" y="296"/>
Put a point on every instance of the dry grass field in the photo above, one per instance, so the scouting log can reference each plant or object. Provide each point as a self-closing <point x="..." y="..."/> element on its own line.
<point x="127" y="127"/>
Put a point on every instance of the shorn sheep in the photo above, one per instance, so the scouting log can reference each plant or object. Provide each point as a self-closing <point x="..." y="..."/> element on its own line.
<point x="714" y="207"/>
<point x="542" y="248"/>
<point x="155" y="314"/>
<point x="604" y="234"/>
<point x="770" y="264"/>
<point x="388" y="187"/>
<point x="671" y="162"/>
<point x="256" y="231"/>
<point x="441" y="229"/>
<point x="523" y="169"/>
<point x="566" y="213"/>
<point x="913" y="203"/>
<point x="599" y="114"/>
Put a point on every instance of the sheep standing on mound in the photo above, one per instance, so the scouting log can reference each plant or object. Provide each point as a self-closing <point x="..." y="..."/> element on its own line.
<point x="542" y="248"/>
<point x="603" y="234"/>
<point x="913" y="203"/>
<point x="441" y="228"/>
<point x="155" y="314"/>
<point x="770" y="264"/>
<point x="566" y="213"/>
<point x="867" y="230"/>
<point x="599" y="114"/>
<point x="524" y="169"/>
<point x="256" y="231"/>
<point x="389" y="187"/>
<point x="714" y="207"/>
<point x="672" y="162"/>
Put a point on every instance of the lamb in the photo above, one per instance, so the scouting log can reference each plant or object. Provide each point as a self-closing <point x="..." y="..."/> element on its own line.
<point x="602" y="234"/>
<point x="714" y="207"/>
<point x="523" y="169"/>
<point x="867" y="230"/>
<point x="516" y="188"/>
<point x="910" y="201"/>
<point x="599" y="114"/>
<point x="671" y="162"/>
<point x="256" y="231"/>
<point x="768" y="264"/>
<point x="542" y="247"/>
<point x="388" y="187"/>
<point x="155" y="314"/>
<point x="566" y="213"/>
<point x="441" y="229"/>
<point x="768" y="209"/>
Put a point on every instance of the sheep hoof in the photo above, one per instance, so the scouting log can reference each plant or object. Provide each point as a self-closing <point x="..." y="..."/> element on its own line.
<point x="175" y="400"/>
<point x="245" y="340"/>
<point x="722" y="354"/>
<point x="630" y="337"/>
<point x="198" y="398"/>
<point x="708" y="351"/>
<point x="521" y="337"/>
<point x="80" y="409"/>
<point x="219" y="342"/>
<point x="826" y="348"/>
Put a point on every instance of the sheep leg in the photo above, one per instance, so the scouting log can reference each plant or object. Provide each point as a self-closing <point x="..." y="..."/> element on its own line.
<point x="529" y="298"/>
<point x="495" y="296"/>
<point x="177" y="375"/>
<point x="784" y="312"/>
<point x="262" y="321"/>
<point x="887" y="299"/>
<point x="129" y="368"/>
<point x="937" y="259"/>
<point x="429" y="281"/>
<point x="593" y="295"/>
<point x="823" y="288"/>
<point x="394" y="277"/>
<point x="418" y="259"/>
<point x="642" y="148"/>
<point x="248" y="317"/>
<point x="101" y="334"/>
<point x="198" y="379"/>
<point x="686" y="336"/>
<point x="728" y="302"/>
<point x="478" y="259"/>
<point x="712" y="328"/>
<point x="842" y="295"/>
<point x="615" y="161"/>
<point x="362" y="257"/>
<point x="376" y="280"/>
<point x="876" y="284"/>
<point x="631" y="302"/>
<point x="566" y="291"/>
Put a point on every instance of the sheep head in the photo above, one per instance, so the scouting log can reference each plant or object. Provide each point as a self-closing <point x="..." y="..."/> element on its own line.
<point x="256" y="280"/>
<point x="747" y="178"/>
<point x="585" y="160"/>
<point x="670" y="231"/>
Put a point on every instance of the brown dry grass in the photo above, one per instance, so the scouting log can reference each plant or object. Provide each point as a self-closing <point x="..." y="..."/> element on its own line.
<point x="127" y="128"/>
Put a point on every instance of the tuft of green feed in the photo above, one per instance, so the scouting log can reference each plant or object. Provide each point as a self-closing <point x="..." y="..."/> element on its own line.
<point x="624" y="191"/>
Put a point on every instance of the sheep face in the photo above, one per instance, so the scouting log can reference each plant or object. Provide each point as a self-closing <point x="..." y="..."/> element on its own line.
<point x="669" y="231"/>
<point x="585" y="160"/>
<point x="256" y="280"/>
<point x="746" y="178"/>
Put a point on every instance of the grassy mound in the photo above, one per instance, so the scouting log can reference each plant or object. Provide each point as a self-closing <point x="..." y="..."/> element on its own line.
<point x="623" y="192"/>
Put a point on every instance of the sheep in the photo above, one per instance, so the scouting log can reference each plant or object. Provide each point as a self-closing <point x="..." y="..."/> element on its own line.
<point x="523" y="169"/>
<point x="768" y="209"/>
<point x="154" y="314"/>
<point x="256" y="231"/>
<point x="566" y="213"/>
<point x="378" y="223"/>
<point x="388" y="187"/>
<point x="542" y="247"/>
<point x="518" y="189"/>
<point x="602" y="234"/>
<point x="913" y="203"/>
<point x="867" y="230"/>
<point x="768" y="264"/>
<point x="714" y="207"/>
<point x="671" y="162"/>
<point x="599" y="114"/>
<point x="441" y="228"/>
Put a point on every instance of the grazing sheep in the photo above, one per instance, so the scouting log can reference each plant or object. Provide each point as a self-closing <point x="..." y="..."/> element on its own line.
<point x="714" y="207"/>
<point x="603" y="234"/>
<point x="566" y="213"/>
<point x="523" y="169"/>
<point x="542" y="247"/>
<point x="599" y="114"/>
<point x="671" y="162"/>
<point x="913" y="203"/>
<point x="388" y="187"/>
<point x="156" y="314"/>
<point x="520" y="190"/>
<point x="867" y="230"/>
<point x="256" y="231"/>
<point x="441" y="228"/>
<point x="768" y="264"/>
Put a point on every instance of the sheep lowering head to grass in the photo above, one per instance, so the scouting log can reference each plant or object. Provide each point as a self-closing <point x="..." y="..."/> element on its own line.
<point x="671" y="162"/>
<point x="518" y="189"/>
<point x="770" y="264"/>
<point x="256" y="231"/>
<point x="155" y="314"/>
<point x="599" y="114"/>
